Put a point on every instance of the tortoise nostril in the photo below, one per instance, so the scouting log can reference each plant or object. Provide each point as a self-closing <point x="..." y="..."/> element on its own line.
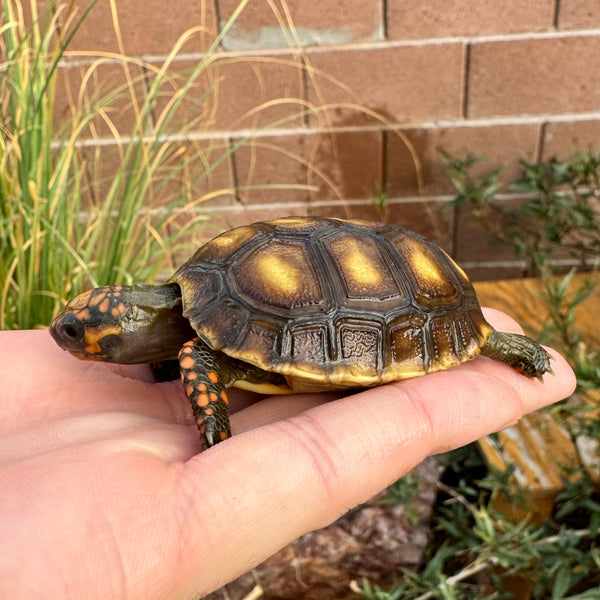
<point x="72" y="328"/>
<point x="71" y="331"/>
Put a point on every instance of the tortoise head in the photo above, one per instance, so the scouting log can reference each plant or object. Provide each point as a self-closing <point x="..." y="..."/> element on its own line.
<point x="123" y="324"/>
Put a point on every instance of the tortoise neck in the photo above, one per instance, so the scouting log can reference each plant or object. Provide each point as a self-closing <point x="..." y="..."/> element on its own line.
<point x="153" y="327"/>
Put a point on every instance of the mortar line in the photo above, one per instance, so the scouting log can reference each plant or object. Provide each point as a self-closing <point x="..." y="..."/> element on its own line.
<point x="75" y="59"/>
<point x="410" y="126"/>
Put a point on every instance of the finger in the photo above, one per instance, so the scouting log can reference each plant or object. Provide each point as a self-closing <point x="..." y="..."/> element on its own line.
<point x="41" y="383"/>
<point x="331" y="457"/>
<point x="106" y="432"/>
<point x="501" y="321"/>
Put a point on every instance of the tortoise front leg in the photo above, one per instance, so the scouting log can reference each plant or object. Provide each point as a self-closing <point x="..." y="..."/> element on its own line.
<point x="204" y="382"/>
<point x="206" y="373"/>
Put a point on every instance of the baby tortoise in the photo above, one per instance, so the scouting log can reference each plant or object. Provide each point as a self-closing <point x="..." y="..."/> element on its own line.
<point x="291" y="305"/>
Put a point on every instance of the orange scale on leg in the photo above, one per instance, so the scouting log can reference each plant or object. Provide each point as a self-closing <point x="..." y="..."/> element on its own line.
<point x="187" y="362"/>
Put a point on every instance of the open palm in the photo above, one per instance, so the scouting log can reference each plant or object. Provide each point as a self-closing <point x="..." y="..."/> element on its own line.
<point x="104" y="493"/>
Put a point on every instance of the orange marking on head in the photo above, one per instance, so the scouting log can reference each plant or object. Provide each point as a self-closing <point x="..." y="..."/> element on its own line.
<point x="82" y="301"/>
<point x="104" y="305"/>
<point x="97" y="298"/>
<point x="187" y="362"/>
<point x="93" y="348"/>
<point x="83" y="314"/>
<point x="94" y="335"/>
<point x="213" y="376"/>
<point x="121" y="308"/>
<point x="115" y="313"/>
<point x="203" y="400"/>
<point x="117" y="288"/>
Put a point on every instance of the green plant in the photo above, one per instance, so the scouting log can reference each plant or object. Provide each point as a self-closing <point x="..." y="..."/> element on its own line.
<point x="559" y="210"/>
<point x="477" y="548"/>
<point x="57" y="235"/>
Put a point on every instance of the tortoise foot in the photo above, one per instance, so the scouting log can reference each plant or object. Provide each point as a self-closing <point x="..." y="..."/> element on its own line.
<point x="520" y="352"/>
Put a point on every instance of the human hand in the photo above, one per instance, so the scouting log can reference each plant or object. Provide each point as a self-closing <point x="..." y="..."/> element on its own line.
<point x="104" y="494"/>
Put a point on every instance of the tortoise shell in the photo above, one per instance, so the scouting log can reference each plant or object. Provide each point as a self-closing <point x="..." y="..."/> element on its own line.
<point x="332" y="304"/>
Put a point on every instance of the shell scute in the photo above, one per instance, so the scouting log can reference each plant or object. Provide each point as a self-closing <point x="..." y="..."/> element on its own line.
<point x="280" y="274"/>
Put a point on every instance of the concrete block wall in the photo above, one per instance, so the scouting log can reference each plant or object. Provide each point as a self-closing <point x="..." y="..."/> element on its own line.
<point x="360" y="96"/>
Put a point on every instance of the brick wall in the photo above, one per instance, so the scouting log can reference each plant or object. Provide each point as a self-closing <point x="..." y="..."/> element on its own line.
<point x="389" y="84"/>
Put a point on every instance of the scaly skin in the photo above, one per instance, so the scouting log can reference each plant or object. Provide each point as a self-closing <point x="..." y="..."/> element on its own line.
<point x="518" y="351"/>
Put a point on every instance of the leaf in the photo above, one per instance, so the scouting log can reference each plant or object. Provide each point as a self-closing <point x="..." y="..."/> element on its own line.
<point x="562" y="582"/>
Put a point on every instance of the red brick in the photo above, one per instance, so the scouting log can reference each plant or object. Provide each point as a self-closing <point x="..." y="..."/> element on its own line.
<point x="417" y="19"/>
<point x="233" y="93"/>
<point x="579" y="14"/>
<point x="499" y="144"/>
<point x="258" y="91"/>
<point x="477" y="237"/>
<point x="339" y="22"/>
<point x="193" y="172"/>
<point x="84" y="91"/>
<point x="352" y="164"/>
<point x="426" y="217"/>
<point x="147" y="26"/>
<point x="560" y="138"/>
<point x="276" y="169"/>
<point x="402" y="83"/>
<point x="199" y="171"/>
<point x="534" y="76"/>
<point x="491" y="272"/>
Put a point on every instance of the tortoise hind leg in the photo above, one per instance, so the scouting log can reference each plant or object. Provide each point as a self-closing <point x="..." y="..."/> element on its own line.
<point x="205" y="374"/>
<point x="518" y="351"/>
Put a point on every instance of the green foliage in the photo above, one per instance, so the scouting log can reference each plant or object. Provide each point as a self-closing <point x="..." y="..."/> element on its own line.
<point x="58" y="233"/>
<point x="559" y="211"/>
<point x="402" y="492"/>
